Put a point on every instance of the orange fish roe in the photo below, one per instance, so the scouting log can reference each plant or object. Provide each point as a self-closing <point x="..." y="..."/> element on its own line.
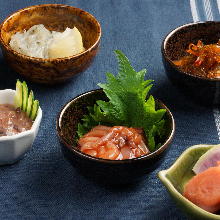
<point x="114" y="143"/>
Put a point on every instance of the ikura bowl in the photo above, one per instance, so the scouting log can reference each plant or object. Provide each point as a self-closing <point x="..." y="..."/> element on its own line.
<point x="201" y="90"/>
<point x="103" y="170"/>
<point x="55" y="17"/>
<point x="179" y="174"/>
<point x="13" y="148"/>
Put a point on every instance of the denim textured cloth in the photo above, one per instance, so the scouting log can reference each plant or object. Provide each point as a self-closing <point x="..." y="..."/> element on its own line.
<point x="43" y="185"/>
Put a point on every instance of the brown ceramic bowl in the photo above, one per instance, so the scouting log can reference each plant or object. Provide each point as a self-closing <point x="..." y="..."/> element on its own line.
<point x="199" y="89"/>
<point x="107" y="171"/>
<point x="55" y="17"/>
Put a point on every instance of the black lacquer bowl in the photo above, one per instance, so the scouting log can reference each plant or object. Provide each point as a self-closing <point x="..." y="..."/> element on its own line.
<point x="107" y="171"/>
<point x="201" y="90"/>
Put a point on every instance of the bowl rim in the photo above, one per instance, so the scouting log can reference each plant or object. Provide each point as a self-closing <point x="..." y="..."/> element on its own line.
<point x="170" y="187"/>
<point x="23" y="133"/>
<point x="175" y="30"/>
<point x="44" y="60"/>
<point x="162" y="148"/>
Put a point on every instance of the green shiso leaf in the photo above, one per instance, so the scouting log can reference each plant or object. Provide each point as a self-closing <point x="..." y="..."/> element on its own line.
<point x="127" y="105"/>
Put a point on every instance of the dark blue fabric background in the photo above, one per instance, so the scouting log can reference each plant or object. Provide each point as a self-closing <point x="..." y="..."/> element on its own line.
<point x="44" y="185"/>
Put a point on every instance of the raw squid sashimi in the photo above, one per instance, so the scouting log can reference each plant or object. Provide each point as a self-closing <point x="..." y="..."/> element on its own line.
<point x="204" y="189"/>
<point x="98" y="131"/>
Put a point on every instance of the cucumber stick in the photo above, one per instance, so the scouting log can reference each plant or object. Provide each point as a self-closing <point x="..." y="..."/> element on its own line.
<point x="18" y="94"/>
<point x="30" y="103"/>
<point x="26" y="101"/>
<point x="25" y="96"/>
<point x="35" y="107"/>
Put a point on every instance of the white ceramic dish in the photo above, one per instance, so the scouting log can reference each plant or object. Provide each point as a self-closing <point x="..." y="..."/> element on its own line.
<point x="13" y="148"/>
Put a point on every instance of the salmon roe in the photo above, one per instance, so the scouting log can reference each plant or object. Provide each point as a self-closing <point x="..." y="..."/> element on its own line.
<point x="114" y="143"/>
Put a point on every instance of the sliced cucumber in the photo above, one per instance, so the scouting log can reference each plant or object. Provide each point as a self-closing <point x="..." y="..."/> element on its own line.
<point x="34" y="110"/>
<point x="30" y="103"/>
<point x="18" y="95"/>
<point x="25" y="96"/>
<point x="24" y="101"/>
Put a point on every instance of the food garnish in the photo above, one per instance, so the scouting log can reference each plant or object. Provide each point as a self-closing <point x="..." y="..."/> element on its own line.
<point x="203" y="189"/>
<point x="25" y="101"/>
<point x="42" y="43"/>
<point x="129" y="105"/>
<point x="201" y="60"/>
<point x="208" y="159"/>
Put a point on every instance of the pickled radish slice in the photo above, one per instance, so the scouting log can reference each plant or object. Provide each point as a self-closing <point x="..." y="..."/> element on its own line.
<point x="209" y="159"/>
<point x="66" y="43"/>
<point x="113" y="143"/>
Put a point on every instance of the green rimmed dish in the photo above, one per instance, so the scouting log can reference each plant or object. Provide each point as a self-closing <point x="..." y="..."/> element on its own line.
<point x="179" y="174"/>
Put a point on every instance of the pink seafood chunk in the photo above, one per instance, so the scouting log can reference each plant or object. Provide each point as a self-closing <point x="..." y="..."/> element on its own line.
<point x="114" y="143"/>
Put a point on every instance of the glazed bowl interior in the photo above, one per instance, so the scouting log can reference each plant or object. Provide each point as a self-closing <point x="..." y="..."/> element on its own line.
<point x="179" y="174"/>
<point x="67" y="122"/>
<point x="55" y="17"/>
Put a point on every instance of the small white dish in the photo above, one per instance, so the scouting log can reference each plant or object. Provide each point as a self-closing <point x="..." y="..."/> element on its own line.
<point x="13" y="148"/>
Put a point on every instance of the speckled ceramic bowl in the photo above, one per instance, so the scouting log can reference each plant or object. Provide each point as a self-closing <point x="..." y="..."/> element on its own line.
<point x="108" y="171"/>
<point x="179" y="174"/>
<point x="202" y="90"/>
<point x="55" y="17"/>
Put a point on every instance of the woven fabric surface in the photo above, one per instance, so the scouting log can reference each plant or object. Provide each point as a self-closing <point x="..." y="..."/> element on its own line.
<point x="43" y="185"/>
